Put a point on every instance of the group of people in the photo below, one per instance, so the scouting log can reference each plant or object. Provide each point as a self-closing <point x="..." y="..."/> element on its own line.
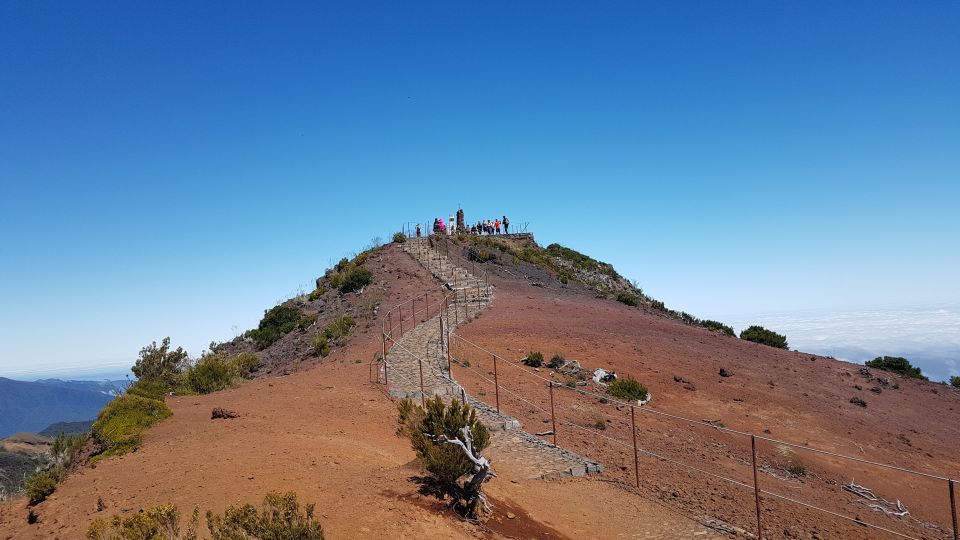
<point x="491" y="226"/>
<point x="487" y="226"/>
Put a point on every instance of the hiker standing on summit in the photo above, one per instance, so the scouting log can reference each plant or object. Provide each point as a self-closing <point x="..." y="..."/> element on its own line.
<point x="506" y="225"/>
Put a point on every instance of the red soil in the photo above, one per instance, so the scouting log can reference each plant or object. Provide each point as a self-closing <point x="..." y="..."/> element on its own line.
<point x="327" y="434"/>
<point x="790" y="396"/>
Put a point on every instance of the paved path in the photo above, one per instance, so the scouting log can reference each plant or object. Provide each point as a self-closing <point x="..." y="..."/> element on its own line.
<point x="422" y="350"/>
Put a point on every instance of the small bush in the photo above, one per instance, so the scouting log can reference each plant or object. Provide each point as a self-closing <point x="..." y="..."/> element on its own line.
<point x="716" y="326"/>
<point x="120" y="425"/>
<point x="858" y="401"/>
<point x="339" y="327"/>
<point x="360" y="259"/>
<point x="480" y="255"/>
<point x="40" y="485"/>
<point x="955" y="381"/>
<point x="246" y="364"/>
<point x="658" y="305"/>
<point x="351" y="278"/>
<point x="534" y="359"/>
<point x="317" y="293"/>
<point x="160" y="362"/>
<point x="306" y="321"/>
<point x="896" y="364"/>
<point x="797" y="469"/>
<point x="211" y="374"/>
<point x="320" y="345"/>
<point x="759" y="334"/>
<point x="628" y="388"/>
<point x="277" y="322"/>
<point x="158" y="523"/>
<point x="399" y="237"/>
<point x="600" y="424"/>
<point x="280" y="518"/>
<point x="627" y="298"/>
<point x="149" y="389"/>
<point x="557" y="361"/>
<point x="428" y="428"/>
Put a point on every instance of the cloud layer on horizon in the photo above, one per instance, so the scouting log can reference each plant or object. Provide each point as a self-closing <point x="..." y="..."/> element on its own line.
<point x="928" y="336"/>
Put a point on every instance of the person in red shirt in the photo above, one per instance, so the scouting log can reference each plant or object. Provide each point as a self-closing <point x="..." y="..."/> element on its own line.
<point x="496" y="226"/>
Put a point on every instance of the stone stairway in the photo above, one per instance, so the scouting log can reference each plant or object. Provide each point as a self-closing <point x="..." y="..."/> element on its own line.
<point x="422" y="350"/>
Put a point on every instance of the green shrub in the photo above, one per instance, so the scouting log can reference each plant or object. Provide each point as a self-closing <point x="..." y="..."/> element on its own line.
<point x="896" y="364"/>
<point x="797" y="469"/>
<point x="480" y="255"/>
<point x="320" y="345"/>
<point x="352" y="278"/>
<point x="759" y="334"/>
<point x="317" y="293"/>
<point x="66" y="450"/>
<point x="556" y="361"/>
<point x="40" y="485"/>
<point x="306" y="321"/>
<point x="280" y="519"/>
<point x="160" y="362"/>
<point x="158" y="523"/>
<point x="955" y="381"/>
<point x="534" y="359"/>
<point x="360" y="259"/>
<point x="277" y="322"/>
<point x="627" y="298"/>
<point x="149" y="389"/>
<point x="716" y="326"/>
<point x="120" y="425"/>
<point x="658" y="305"/>
<point x="399" y="237"/>
<point x="428" y="428"/>
<point x="339" y="327"/>
<point x="246" y="364"/>
<point x="211" y="374"/>
<point x="628" y="388"/>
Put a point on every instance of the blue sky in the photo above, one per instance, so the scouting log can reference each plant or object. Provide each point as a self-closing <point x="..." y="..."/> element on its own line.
<point x="175" y="169"/>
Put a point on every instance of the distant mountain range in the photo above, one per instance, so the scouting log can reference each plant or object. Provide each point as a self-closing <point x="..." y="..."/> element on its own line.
<point x="33" y="406"/>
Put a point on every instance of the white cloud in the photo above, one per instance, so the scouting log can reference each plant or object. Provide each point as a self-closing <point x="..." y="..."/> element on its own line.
<point x="928" y="336"/>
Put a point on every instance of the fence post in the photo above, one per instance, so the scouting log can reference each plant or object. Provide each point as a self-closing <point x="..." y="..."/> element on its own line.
<point x="449" y="363"/>
<point x="423" y="398"/>
<point x="636" y="458"/>
<point x="756" y="486"/>
<point x="390" y="320"/>
<point x="400" y="314"/>
<point x="496" y="382"/>
<point x="553" y="417"/>
<point x="386" y="380"/>
<point x="953" y="510"/>
<point x="415" y="311"/>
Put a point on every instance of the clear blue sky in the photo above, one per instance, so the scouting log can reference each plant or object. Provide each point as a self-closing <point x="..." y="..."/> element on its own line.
<point x="175" y="168"/>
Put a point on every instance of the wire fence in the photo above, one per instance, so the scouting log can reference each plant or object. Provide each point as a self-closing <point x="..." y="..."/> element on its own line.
<point x="755" y="482"/>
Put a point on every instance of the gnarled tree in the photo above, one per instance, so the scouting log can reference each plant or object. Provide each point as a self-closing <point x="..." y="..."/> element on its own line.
<point x="448" y="440"/>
